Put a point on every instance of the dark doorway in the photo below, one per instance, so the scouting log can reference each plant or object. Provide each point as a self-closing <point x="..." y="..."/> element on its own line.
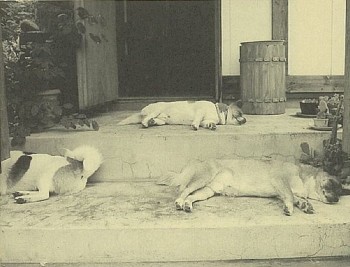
<point x="166" y="48"/>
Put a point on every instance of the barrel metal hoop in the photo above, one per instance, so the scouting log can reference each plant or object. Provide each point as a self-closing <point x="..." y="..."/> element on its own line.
<point x="265" y="59"/>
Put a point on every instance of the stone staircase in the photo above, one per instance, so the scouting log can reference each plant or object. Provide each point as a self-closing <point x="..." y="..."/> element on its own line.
<point x="123" y="216"/>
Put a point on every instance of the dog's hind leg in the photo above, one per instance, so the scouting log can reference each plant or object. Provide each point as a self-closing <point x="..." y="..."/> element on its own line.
<point x="156" y="122"/>
<point x="21" y="193"/>
<point x="148" y="120"/>
<point x="31" y="196"/>
<point x="43" y="193"/>
<point x="199" y="195"/>
<point x="180" y="201"/>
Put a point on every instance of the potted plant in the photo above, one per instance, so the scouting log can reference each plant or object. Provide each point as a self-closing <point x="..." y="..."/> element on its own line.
<point x="309" y="106"/>
<point x="321" y="119"/>
<point x="334" y="104"/>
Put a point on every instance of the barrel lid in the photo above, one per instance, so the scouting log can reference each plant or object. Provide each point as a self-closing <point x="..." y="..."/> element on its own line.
<point x="265" y="42"/>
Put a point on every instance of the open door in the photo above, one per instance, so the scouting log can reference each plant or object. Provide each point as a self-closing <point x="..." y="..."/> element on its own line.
<point x="97" y="60"/>
<point x="168" y="48"/>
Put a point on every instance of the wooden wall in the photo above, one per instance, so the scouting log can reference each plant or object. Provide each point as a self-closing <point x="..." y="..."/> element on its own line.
<point x="97" y="62"/>
<point x="316" y="34"/>
<point x="315" y="42"/>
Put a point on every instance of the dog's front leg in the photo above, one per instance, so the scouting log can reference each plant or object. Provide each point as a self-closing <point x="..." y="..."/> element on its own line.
<point x="198" y="117"/>
<point x="285" y="193"/>
<point x="303" y="204"/>
<point x="199" y="195"/>
<point x="22" y="197"/>
<point x="208" y="124"/>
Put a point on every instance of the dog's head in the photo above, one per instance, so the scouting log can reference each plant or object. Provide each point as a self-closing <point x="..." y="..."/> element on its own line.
<point x="235" y="114"/>
<point x="327" y="187"/>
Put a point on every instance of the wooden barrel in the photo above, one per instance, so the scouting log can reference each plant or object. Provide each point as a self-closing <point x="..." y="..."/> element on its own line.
<point x="262" y="80"/>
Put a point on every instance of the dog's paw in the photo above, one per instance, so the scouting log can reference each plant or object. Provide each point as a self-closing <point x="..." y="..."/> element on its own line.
<point x="146" y="123"/>
<point x="194" y="127"/>
<point x="288" y="210"/>
<point x="188" y="206"/>
<point x="211" y="126"/>
<point x="305" y="206"/>
<point x="151" y="122"/>
<point x="17" y="194"/>
<point x="20" y="200"/>
<point x="179" y="203"/>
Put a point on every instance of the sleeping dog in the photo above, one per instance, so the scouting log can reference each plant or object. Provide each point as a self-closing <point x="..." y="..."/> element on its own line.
<point x="32" y="177"/>
<point x="196" y="114"/>
<point x="291" y="183"/>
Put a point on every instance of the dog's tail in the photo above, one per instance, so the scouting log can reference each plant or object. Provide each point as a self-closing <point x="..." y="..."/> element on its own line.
<point x="175" y="179"/>
<point x="133" y="119"/>
<point x="89" y="156"/>
<point x="169" y="179"/>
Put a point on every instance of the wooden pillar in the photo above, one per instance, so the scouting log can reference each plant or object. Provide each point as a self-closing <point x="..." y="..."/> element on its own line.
<point x="280" y="23"/>
<point x="346" y="130"/>
<point x="4" y="130"/>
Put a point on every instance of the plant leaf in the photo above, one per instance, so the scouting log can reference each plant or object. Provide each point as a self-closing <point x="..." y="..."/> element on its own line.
<point x="95" y="38"/>
<point x="68" y="106"/>
<point x="305" y="148"/>
<point x="34" y="110"/>
<point x="82" y="13"/>
<point x="95" y="125"/>
<point x="81" y="27"/>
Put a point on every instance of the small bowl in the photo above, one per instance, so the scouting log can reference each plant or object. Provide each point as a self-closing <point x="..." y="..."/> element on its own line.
<point x="321" y="122"/>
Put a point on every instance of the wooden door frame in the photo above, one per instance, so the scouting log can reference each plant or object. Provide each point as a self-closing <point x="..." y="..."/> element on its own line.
<point x="4" y="129"/>
<point x="218" y="52"/>
<point x="346" y="130"/>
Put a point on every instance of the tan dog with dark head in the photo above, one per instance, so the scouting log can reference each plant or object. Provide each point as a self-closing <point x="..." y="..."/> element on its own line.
<point x="291" y="183"/>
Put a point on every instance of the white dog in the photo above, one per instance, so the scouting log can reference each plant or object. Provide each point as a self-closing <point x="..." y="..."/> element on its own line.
<point x="31" y="177"/>
<point x="289" y="182"/>
<point x="195" y="113"/>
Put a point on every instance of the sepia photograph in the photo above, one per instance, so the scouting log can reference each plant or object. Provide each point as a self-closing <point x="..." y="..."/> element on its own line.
<point x="150" y="133"/>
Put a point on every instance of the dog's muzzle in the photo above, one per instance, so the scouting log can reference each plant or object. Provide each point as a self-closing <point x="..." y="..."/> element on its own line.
<point x="241" y="120"/>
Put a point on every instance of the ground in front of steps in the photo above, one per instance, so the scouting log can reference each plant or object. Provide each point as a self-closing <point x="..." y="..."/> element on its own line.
<point x="145" y="205"/>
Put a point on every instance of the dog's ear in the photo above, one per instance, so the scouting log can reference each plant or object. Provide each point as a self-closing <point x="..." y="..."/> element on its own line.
<point x="239" y="103"/>
<point x="66" y="153"/>
<point x="222" y="107"/>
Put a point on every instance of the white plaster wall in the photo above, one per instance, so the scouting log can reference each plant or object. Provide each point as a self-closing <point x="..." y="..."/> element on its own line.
<point x="338" y="40"/>
<point x="316" y="37"/>
<point x="242" y="21"/>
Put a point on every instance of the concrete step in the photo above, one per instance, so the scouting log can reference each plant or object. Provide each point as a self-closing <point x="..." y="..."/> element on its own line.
<point x="132" y="153"/>
<point x="124" y="217"/>
<point x="137" y="222"/>
<point x="310" y="262"/>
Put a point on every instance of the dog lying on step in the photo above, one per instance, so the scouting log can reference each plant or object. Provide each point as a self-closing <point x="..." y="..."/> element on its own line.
<point x="31" y="177"/>
<point x="194" y="113"/>
<point x="291" y="183"/>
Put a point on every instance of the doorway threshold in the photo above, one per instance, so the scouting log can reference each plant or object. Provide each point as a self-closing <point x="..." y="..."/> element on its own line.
<point x="137" y="103"/>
